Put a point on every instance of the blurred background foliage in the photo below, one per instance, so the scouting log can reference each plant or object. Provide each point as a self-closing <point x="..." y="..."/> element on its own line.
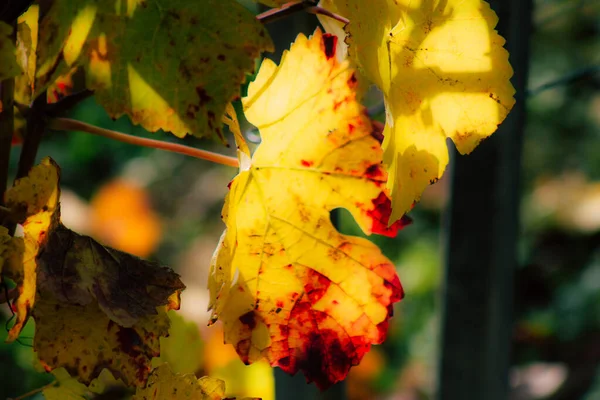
<point x="166" y="207"/>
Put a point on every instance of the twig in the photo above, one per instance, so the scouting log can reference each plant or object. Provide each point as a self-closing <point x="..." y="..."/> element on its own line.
<point x="327" y="13"/>
<point x="284" y="11"/>
<point x="35" y="131"/>
<point x="8" y="295"/>
<point x="66" y="103"/>
<point x="66" y="124"/>
<point x="7" y="128"/>
<point x="35" y="391"/>
<point x="567" y="79"/>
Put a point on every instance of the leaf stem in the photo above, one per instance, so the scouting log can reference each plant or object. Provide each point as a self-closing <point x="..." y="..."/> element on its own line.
<point x="66" y="124"/>
<point x="35" y="391"/>
<point x="327" y="13"/>
<point x="285" y="10"/>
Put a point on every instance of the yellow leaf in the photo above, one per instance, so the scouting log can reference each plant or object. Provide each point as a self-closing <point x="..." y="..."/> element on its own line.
<point x="164" y="384"/>
<point x="286" y="284"/>
<point x="183" y="348"/>
<point x="444" y="74"/>
<point x="34" y="203"/>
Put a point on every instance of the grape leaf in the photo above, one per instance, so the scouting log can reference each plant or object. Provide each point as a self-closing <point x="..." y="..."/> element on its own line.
<point x="84" y="340"/>
<point x="168" y="64"/>
<point x="164" y="384"/>
<point x="95" y="307"/>
<point x="286" y="284"/>
<point x="33" y="201"/>
<point x="444" y="74"/>
<point x="27" y="37"/>
<point x="8" y="60"/>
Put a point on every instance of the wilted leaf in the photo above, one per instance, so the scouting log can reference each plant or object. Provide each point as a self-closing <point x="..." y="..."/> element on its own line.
<point x="95" y="307"/>
<point x="182" y="349"/>
<point x="164" y="384"/>
<point x="168" y="64"/>
<point x="286" y="284"/>
<point x="83" y="340"/>
<point x="444" y="74"/>
<point x="8" y="60"/>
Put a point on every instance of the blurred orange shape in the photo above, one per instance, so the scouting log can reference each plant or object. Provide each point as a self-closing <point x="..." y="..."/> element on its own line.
<point x="123" y="218"/>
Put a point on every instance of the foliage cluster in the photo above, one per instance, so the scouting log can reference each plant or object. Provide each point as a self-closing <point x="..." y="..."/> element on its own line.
<point x="287" y="285"/>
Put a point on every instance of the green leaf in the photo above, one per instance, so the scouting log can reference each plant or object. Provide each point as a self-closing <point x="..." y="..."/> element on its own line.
<point x="27" y="38"/>
<point x="8" y="60"/>
<point x="168" y="64"/>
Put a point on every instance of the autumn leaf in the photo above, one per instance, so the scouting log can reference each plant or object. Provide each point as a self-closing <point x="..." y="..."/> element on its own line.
<point x="164" y="384"/>
<point x="222" y="362"/>
<point x="8" y="61"/>
<point x="444" y="74"/>
<point x="286" y="284"/>
<point x="95" y="307"/>
<point x="168" y="64"/>
<point x="33" y="201"/>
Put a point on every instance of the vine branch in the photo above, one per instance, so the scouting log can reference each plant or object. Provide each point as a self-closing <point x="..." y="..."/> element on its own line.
<point x="35" y="130"/>
<point x="35" y="391"/>
<point x="7" y="128"/>
<point x="67" y="124"/>
<point x="293" y="7"/>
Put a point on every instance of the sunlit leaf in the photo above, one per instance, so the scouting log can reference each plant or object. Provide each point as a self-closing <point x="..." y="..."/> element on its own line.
<point x="444" y="74"/>
<point x="168" y="64"/>
<point x="34" y="203"/>
<point x="286" y="284"/>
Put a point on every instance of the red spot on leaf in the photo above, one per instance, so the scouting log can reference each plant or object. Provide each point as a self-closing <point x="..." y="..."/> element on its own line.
<point x="374" y="171"/>
<point x="380" y="215"/>
<point x="248" y="320"/>
<point x="330" y="42"/>
<point x="306" y="163"/>
<point x="316" y="285"/>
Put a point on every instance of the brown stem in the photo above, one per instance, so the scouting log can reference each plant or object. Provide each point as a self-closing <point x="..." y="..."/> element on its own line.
<point x="67" y="124"/>
<point x="8" y="295"/>
<point x="35" y="391"/>
<point x="7" y="127"/>
<point x="327" y="13"/>
<point x="66" y="103"/>
<point x="283" y="11"/>
<point x="35" y="130"/>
